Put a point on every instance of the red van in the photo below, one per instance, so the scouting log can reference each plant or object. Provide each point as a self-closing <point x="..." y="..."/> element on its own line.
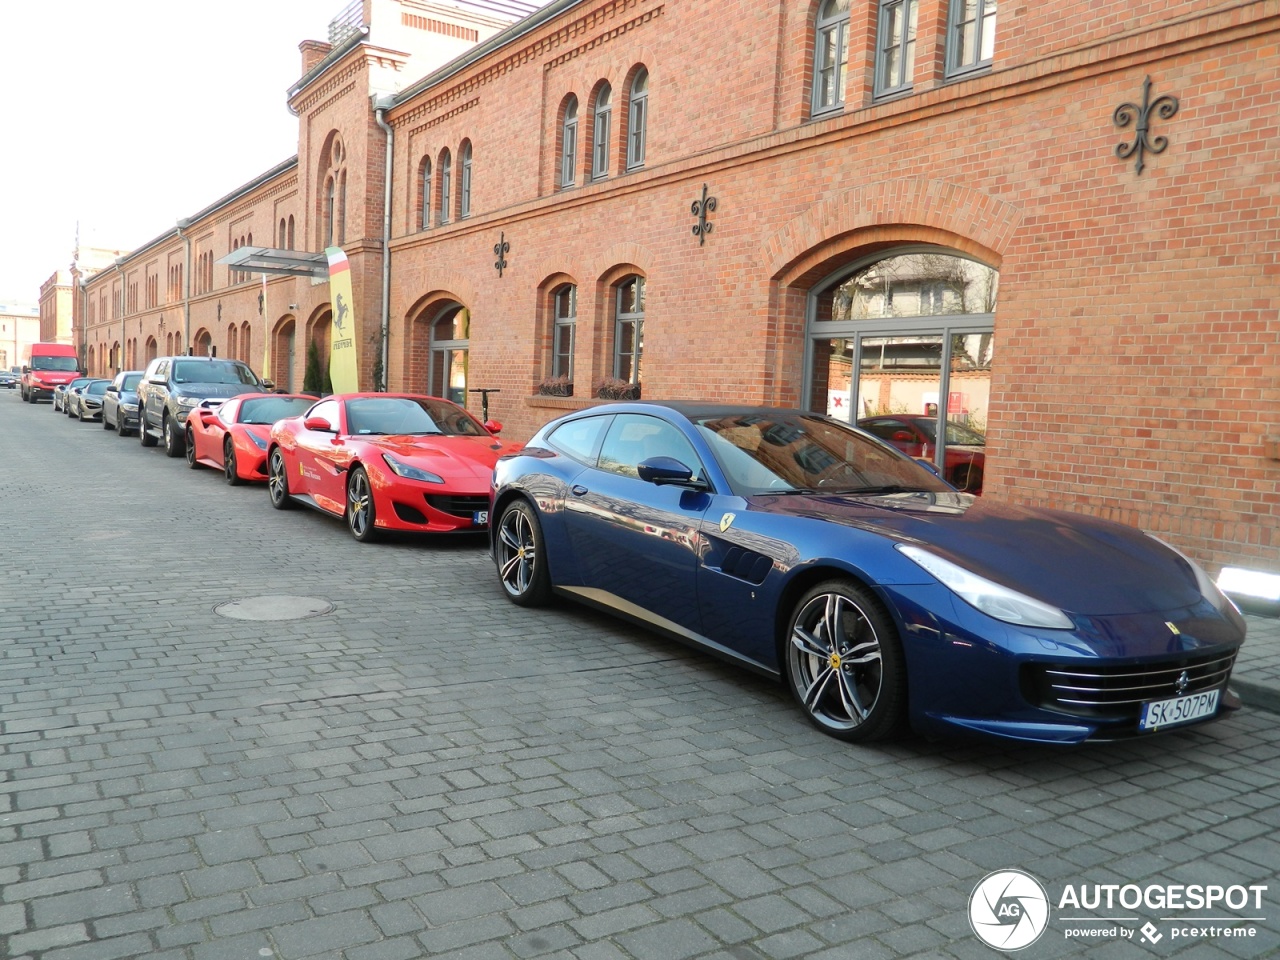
<point x="45" y="366"/>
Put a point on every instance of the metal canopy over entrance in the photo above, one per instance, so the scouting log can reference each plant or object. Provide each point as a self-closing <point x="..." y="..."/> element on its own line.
<point x="292" y="263"/>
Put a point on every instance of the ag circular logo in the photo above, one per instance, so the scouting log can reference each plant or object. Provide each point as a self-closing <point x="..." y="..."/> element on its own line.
<point x="1009" y="910"/>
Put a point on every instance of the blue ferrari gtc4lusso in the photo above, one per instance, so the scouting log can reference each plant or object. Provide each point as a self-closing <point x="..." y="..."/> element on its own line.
<point x="801" y="547"/>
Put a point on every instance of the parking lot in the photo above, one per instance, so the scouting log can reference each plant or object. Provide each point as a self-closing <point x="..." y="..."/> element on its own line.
<point x="386" y="759"/>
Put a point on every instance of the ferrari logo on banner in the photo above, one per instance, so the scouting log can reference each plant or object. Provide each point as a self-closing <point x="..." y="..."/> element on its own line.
<point x="343" y="369"/>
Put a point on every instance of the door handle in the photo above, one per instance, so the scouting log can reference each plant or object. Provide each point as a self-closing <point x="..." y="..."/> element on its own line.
<point x="578" y="490"/>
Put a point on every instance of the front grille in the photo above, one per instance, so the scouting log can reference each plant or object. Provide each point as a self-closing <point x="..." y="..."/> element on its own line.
<point x="1117" y="691"/>
<point x="458" y="506"/>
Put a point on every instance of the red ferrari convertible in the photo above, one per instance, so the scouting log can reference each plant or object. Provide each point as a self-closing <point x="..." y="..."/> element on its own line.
<point x="387" y="462"/>
<point x="233" y="435"/>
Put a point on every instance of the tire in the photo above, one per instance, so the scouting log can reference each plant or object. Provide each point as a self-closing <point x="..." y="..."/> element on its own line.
<point x="229" y="465"/>
<point x="80" y="414"/>
<point x="362" y="515"/>
<point x="144" y="438"/>
<point x="190" y="447"/>
<point x="173" y="445"/>
<point x="120" y="430"/>
<point x="854" y="688"/>
<point x="278" y="481"/>
<point x="521" y="556"/>
<point x="105" y="425"/>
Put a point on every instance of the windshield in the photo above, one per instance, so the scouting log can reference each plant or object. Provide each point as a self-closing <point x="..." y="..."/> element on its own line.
<point x="213" y="371"/>
<point x="782" y="451"/>
<point x="59" y="364"/>
<point x="131" y="381"/>
<point x="78" y="382"/>
<point x="399" y="416"/>
<point x="97" y="388"/>
<point x="267" y="410"/>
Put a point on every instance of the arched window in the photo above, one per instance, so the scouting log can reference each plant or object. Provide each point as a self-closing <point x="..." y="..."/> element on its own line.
<point x="565" y="323"/>
<point x="232" y="345"/>
<point x="424" y="181"/>
<point x="281" y="240"/>
<point x="246" y="344"/>
<point x="896" y="46"/>
<point x="902" y="344"/>
<point x="628" y="329"/>
<point x="342" y="209"/>
<point x="600" y="133"/>
<point x="330" y="199"/>
<point x="464" y="180"/>
<point x="637" y="119"/>
<point x="446" y="186"/>
<point x="830" y="56"/>
<point x="291" y="237"/>
<point x="569" y="142"/>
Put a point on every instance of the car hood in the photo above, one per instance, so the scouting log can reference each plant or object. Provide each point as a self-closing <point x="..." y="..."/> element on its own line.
<point x="449" y="457"/>
<point x="206" y="391"/>
<point x="1080" y="564"/>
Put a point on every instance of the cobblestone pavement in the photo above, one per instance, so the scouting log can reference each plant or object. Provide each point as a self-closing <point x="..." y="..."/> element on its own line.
<point x="428" y="770"/>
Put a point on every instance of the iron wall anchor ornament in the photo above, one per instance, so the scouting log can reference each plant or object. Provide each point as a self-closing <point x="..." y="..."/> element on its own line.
<point x="700" y="209"/>
<point x="500" y="250"/>
<point x="1125" y="114"/>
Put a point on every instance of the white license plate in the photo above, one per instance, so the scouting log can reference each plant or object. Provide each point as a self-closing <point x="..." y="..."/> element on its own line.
<point x="1168" y="713"/>
<point x="481" y="518"/>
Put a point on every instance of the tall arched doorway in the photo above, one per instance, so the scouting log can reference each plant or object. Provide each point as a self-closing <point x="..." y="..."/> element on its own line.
<point x="902" y="343"/>
<point x="283" y="356"/>
<point x="450" y="342"/>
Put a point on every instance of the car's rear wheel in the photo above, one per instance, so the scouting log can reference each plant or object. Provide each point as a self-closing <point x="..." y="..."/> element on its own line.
<point x="146" y="439"/>
<point x="105" y="425"/>
<point x="844" y="662"/>
<point x="522" y="555"/>
<point x="278" y="481"/>
<point x="192" y="462"/>
<point x="229" y="466"/>
<point x="173" y="445"/>
<point x="361" y="514"/>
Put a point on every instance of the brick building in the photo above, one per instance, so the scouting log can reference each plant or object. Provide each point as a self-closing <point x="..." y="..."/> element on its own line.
<point x="1055" y="223"/>
<point x="19" y="328"/>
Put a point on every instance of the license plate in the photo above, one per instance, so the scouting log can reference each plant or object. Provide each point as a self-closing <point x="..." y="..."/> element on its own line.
<point x="1168" y="713"/>
<point x="481" y="518"/>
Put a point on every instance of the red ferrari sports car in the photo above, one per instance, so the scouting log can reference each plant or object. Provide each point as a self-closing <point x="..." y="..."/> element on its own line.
<point x="233" y="435"/>
<point x="387" y="462"/>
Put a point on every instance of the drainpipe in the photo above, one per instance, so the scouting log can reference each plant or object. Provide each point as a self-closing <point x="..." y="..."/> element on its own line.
<point x="123" y="301"/>
<point x="379" y="114"/>
<point x="185" y="224"/>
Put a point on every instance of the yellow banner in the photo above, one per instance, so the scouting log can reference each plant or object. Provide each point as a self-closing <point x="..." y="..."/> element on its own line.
<point x="266" y="333"/>
<point x="344" y="372"/>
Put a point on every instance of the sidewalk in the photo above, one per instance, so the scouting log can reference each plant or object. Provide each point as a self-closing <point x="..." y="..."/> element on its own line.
<point x="1257" y="672"/>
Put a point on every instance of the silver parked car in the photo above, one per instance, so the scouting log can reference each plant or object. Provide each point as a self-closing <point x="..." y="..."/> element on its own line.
<point x="86" y="403"/>
<point x="60" y="392"/>
<point x="120" y="402"/>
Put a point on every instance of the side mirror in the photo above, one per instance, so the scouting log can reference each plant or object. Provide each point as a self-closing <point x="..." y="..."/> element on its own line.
<point x="318" y="424"/>
<point x="268" y="386"/>
<point x="666" y="471"/>
<point x="493" y="426"/>
<point x="902" y="436"/>
<point x="26" y="369"/>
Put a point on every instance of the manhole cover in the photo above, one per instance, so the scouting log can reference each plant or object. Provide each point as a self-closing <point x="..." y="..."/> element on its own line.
<point x="274" y="608"/>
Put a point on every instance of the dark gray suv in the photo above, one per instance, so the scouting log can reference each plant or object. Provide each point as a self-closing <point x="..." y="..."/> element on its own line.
<point x="172" y="387"/>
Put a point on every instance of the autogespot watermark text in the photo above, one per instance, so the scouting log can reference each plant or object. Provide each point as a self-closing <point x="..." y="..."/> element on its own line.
<point x="1011" y="910"/>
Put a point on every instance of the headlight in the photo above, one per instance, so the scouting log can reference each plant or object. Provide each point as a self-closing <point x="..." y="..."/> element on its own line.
<point x="129" y="407"/>
<point x="258" y="441"/>
<point x="991" y="598"/>
<point x="401" y="469"/>
<point x="188" y="401"/>
<point x="1208" y="589"/>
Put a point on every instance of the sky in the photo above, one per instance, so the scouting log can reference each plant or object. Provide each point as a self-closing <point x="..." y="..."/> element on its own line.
<point x="127" y="115"/>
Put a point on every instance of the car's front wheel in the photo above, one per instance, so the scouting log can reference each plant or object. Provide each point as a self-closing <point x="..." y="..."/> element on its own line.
<point x="229" y="467"/>
<point x="844" y="662"/>
<point x="521" y="555"/>
<point x="192" y="462"/>
<point x="278" y="481"/>
<point x="361" y="513"/>
<point x="144" y="438"/>
<point x="173" y="445"/>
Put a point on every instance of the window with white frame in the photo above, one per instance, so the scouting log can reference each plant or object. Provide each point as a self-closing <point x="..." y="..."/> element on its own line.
<point x="426" y="194"/>
<point x="896" y="46"/>
<point x="446" y="186"/>
<point x="830" y="56"/>
<point x="600" y="134"/>
<point x="971" y="36"/>
<point x="569" y="142"/>
<point x="637" y="119"/>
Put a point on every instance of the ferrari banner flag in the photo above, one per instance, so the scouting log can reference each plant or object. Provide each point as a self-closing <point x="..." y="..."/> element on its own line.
<point x="343" y="369"/>
<point x="266" y="332"/>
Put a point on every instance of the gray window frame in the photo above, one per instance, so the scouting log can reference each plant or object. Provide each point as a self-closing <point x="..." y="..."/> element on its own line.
<point x="635" y="319"/>
<point x="427" y="185"/>
<point x="464" y="181"/>
<point x="637" y="119"/>
<point x="569" y="143"/>
<point x="446" y="187"/>
<point x="562" y="322"/>
<point x="955" y="69"/>
<point x="839" y="22"/>
<point x="905" y="45"/>
<point x="601" y="115"/>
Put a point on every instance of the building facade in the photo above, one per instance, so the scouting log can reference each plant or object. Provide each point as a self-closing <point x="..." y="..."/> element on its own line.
<point x="1055" y="225"/>
<point x="20" y="326"/>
